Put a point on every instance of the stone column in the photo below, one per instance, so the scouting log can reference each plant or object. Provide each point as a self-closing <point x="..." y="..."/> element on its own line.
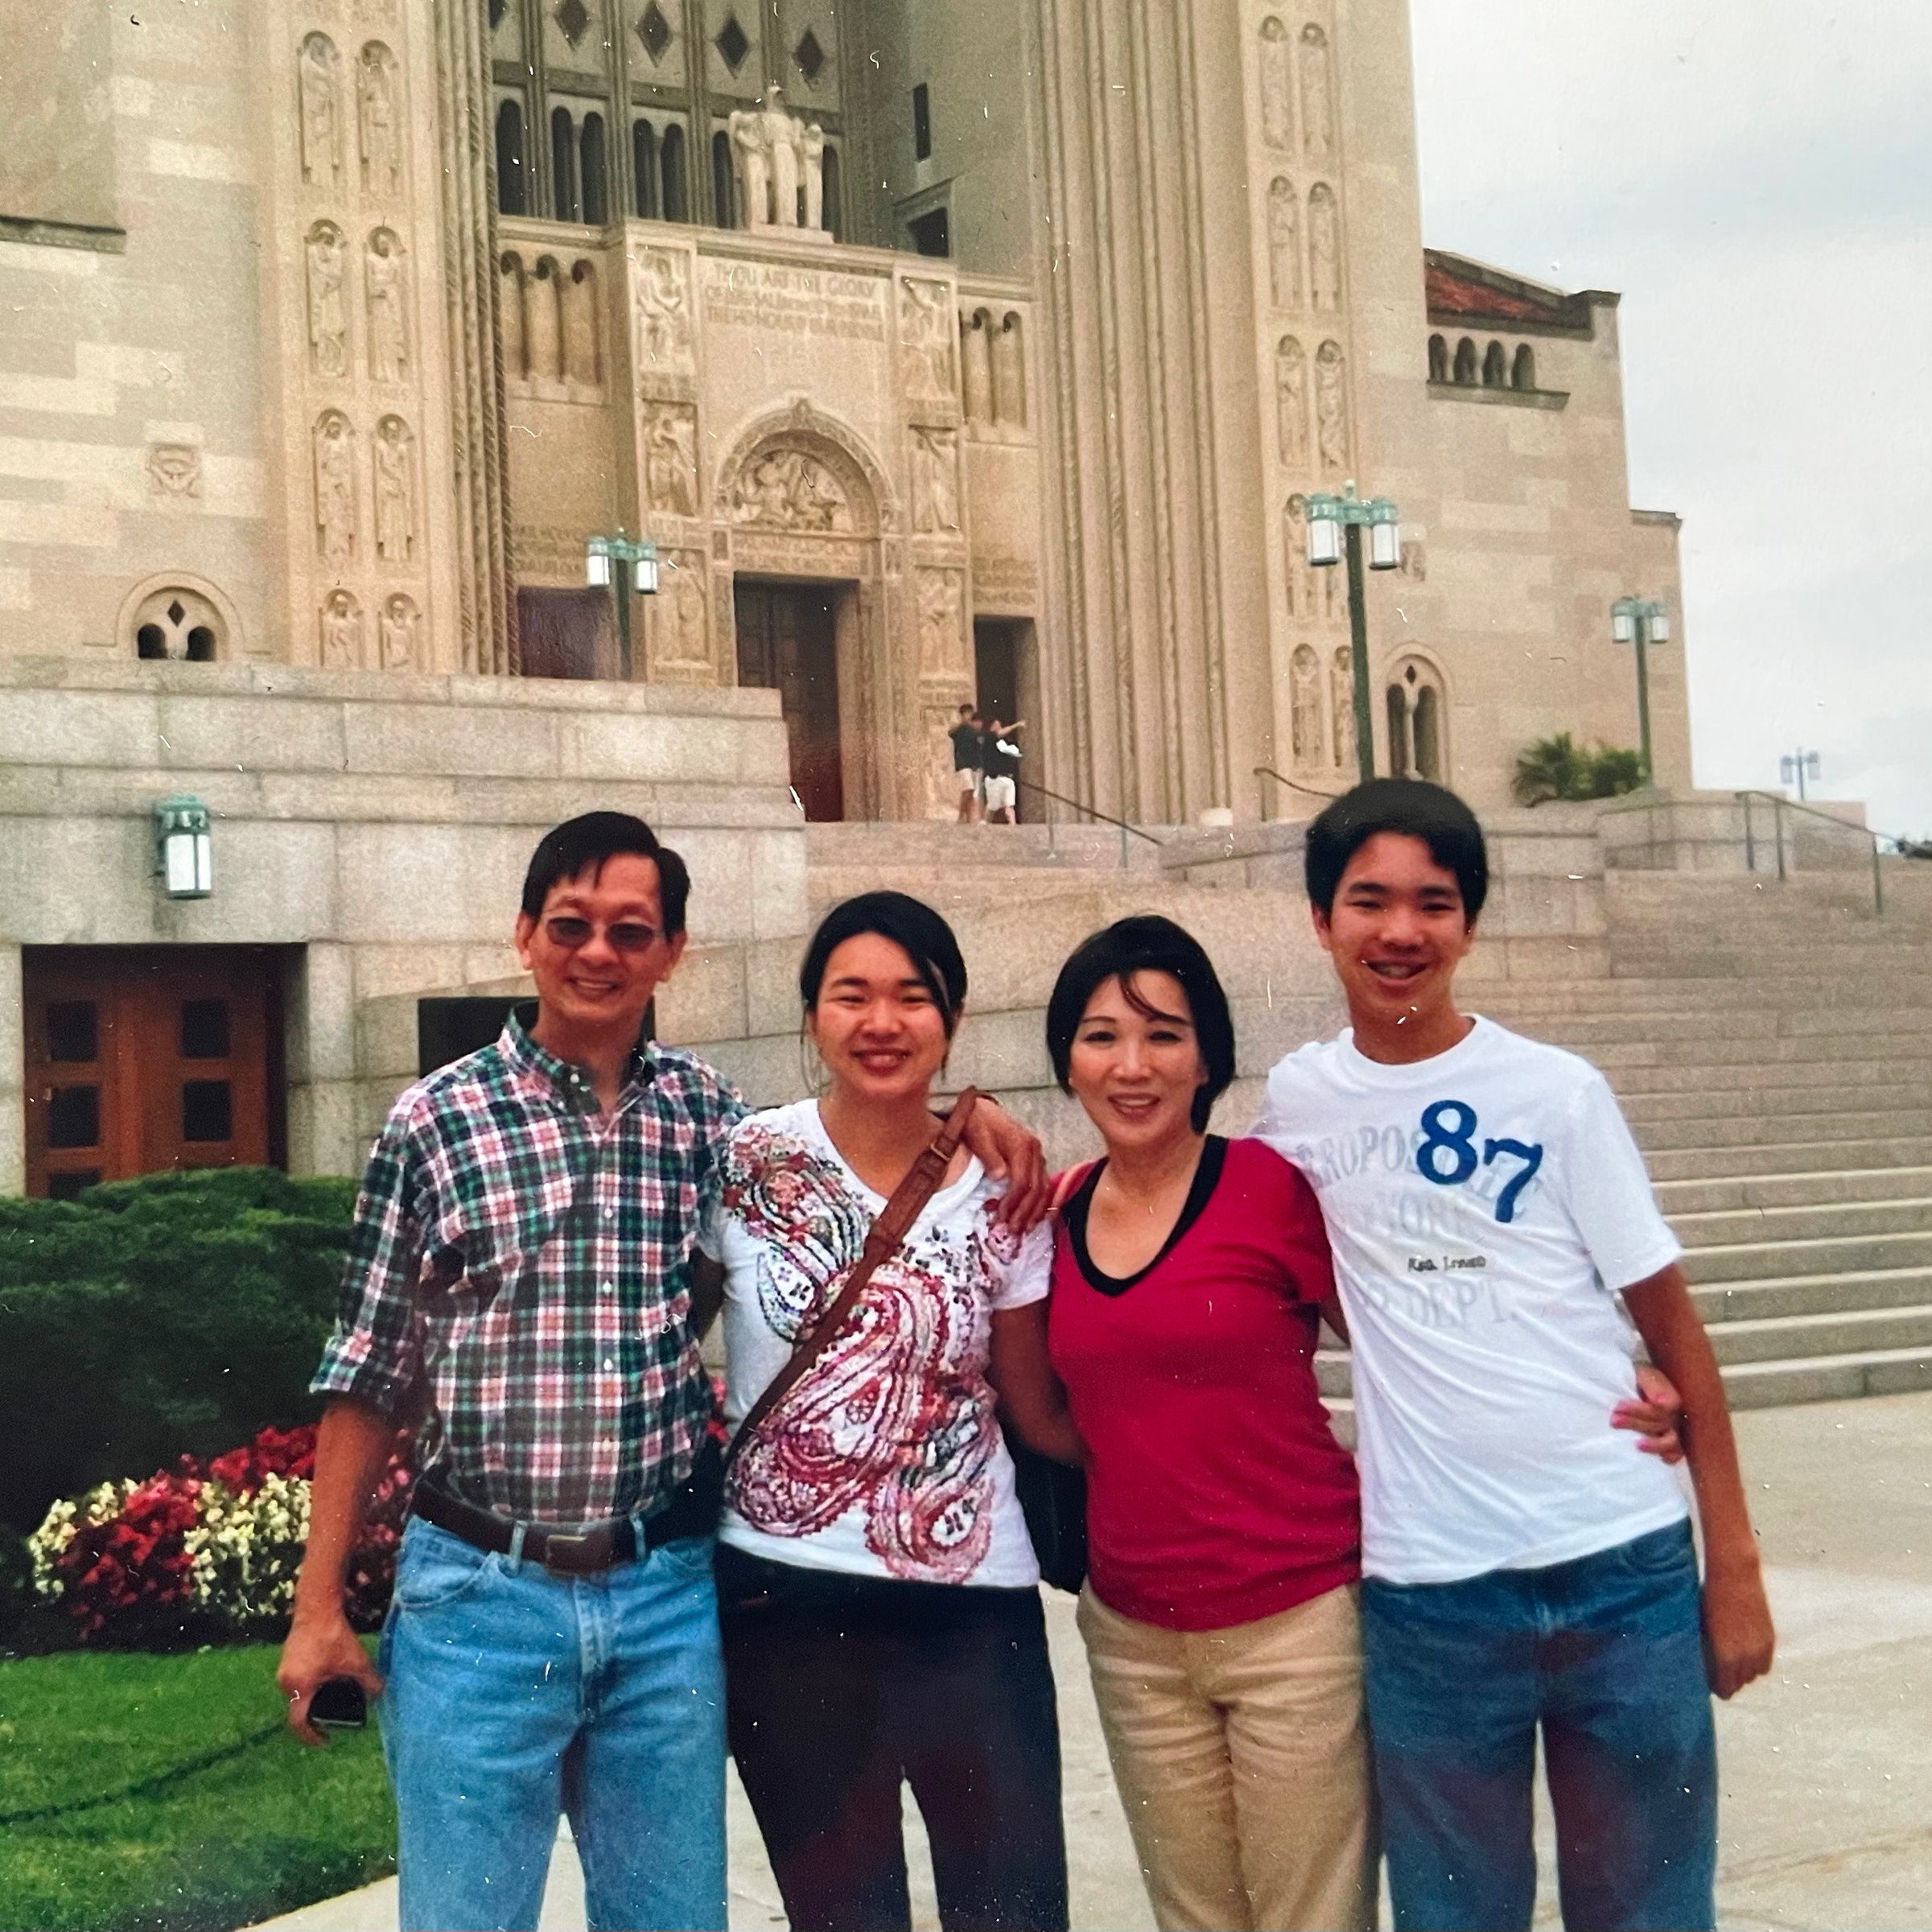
<point x="487" y="605"/>
<point x="322" y="1129"/>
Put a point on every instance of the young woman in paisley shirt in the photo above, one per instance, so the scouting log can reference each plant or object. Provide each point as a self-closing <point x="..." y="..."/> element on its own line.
<point x="878" y="1590"/>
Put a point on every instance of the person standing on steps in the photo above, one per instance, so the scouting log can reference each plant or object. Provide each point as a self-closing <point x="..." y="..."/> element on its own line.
<point x="519" y="1283"/>
<point x="969" y="761"/>
<point x="1002" y="757"/>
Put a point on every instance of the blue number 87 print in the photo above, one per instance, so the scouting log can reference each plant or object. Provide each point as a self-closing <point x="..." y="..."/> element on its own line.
<point x="1447" y="1154"/>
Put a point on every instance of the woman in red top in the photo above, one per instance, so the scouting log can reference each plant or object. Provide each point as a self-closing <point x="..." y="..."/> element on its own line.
<point x="1189" y="1277"/>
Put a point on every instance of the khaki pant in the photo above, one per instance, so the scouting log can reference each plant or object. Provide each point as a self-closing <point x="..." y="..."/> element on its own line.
<point x="1243" y="1759"/>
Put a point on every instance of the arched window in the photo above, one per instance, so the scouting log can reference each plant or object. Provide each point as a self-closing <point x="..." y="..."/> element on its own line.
<point x="1522" y="373"/>
<point x="1400" y="762"/>
<point x="1425" y="726"/>
<point x="176" y="624"/>
<point x="565" y="206"/>
<point x="512" y="186"/>
<point x="1418" y="723"/>
<point x="1495" y="368"/>
<point x="724" y="199"/>
<point x="1439" y="359"/>
<point x="834" y="216"/>
<point x="673" y="178"/>
<point x="1465" y="360"/>
<point x="596" y="172"/>
<point x="644" y="169"/>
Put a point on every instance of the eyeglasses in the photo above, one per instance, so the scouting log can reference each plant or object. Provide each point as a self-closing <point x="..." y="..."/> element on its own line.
<point x="626" y="935"/>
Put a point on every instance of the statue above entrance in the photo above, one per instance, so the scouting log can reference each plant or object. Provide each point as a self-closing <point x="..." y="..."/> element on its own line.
<point x="781" y="162"/>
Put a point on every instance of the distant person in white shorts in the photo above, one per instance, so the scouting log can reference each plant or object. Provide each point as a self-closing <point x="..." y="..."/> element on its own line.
<point x="969" y="761"/>
<point x="1499" y="1252"/>
<point x="1003" y="757"/>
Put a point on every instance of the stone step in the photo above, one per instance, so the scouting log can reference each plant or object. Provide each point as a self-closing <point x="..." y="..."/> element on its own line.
<point x="1602" y="997"/>
<point x="1615" y="1056"/>
<point x="1750" y="1022"/>
<point x="1872" y="1067"/>
<point x="1732" y="1162"/>
<point x="1829" y="1254"/>
<point x="1814" y="1295"/>
<point x="1752" y="1131"/>
<point x="1771" y="1104"/>
<point x="1717" y="1194"/>
<point x="1806" y="1337"/>
<point x="1817" y="1220"/>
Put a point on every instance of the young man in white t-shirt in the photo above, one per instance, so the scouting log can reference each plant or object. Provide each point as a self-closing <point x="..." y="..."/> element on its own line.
<point x="1499" y="1252"/>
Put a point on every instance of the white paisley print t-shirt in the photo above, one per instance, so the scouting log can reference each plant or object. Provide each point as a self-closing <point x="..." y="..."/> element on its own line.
<point x="886" y="1458"/>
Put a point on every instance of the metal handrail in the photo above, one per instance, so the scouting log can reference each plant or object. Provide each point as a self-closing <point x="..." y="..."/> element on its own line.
<point x="1779" y="805"/>
<point x="1268" y="771"/>
<point x="1026" y="784"/>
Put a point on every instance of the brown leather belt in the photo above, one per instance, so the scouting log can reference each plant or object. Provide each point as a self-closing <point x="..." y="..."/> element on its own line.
<point x="692" y="1510"/>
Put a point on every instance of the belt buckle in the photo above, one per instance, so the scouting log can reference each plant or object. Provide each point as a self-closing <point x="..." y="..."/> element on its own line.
<point x="580" y="1554"/>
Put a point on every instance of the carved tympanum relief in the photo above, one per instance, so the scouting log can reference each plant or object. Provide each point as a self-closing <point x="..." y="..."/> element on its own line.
<point x="395" y="469"/>
<point x="1284" y="244"/>
<point x="1330" y="409"/>
<point x="399" y="625"/>
<point x="388" y="308"/>
<point x="334" y="446"/>
<point x="1277" y="127"/>
<point x="1291" y="403"/>
<point x="788" y="488"/>
<point x="1324" y="248"/>
<point x="327" y="312"/>
<point x="935" y="481"/>
<point x="379" y="121"/>
<point x="319" y="83"/>
<point x="1317" y="96"/>
<point x="341" y="624"/>
<point x="670" y="457"/>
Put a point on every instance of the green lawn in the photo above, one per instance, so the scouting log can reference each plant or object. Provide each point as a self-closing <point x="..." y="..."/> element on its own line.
<point x="181" y="1842"/>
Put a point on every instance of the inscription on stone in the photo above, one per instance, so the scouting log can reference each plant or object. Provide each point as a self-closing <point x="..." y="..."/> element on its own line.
<point x="804" y="301"/>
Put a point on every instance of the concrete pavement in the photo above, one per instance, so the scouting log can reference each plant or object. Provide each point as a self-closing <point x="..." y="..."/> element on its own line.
<point x="1827" y="1766"/>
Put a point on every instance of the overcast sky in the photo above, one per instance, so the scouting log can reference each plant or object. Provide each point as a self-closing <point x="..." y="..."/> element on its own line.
<point x="1756" y="177"/>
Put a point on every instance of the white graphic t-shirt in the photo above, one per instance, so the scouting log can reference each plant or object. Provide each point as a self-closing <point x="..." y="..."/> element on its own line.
<point x="886" y="1458"/>
<point x="1484" y="1206"/>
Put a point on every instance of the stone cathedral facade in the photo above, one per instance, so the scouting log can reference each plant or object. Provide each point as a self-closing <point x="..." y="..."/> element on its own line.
<point x="946" y="351"/>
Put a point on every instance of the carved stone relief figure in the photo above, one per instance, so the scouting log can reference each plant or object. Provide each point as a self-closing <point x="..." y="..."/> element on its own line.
<point x="578" y="293"/>
<point x="335" y="462"/>
<point x="935" y="479"/>
<point x="389" y="322"/>
<point x="1341" y="702"/>
<point x="1277" y="126"/>
<point x="319" y="73"/>
<point x="398" y="626"/>
<point x="175" y="468"/>
<point x="781" y="162"/>
<point x="1304" y="675"/>
<point x="789" y="489"/>
<point x="1325" y="247"/>
<point x="683" y="624"/>
<point x="543" y="324"/>
<point x="976" y="361"/>
<point x="670" y="458"/>
<point x="663" y="313"/>
<point x="509" y="312"/>
<point x="1009" y="374"/>
<point x="395" y="491"/>
<point x="1415" y="559"/>
<point x="1317" y="96"/>
<point x="327" y="315"/>
<point x="942" y="625"/>
<point x="925" y="326"/>
<point x="380" y="120"/>
<point x="1330" y="409"/>
<point x="1284" y="244"/>
<point x="341" y="632"/>
<point x="1291" y="403"/>
<point x="1298" y="574"/>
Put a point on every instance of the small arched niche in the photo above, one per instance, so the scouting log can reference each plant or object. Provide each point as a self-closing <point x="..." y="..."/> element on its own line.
<point x="1522" y="371"/>
<point x="1439" y="359"/>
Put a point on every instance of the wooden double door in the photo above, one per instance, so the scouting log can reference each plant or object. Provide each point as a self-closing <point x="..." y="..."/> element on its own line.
<point x="788" y="642"/>
<point x="140" y="1058"/>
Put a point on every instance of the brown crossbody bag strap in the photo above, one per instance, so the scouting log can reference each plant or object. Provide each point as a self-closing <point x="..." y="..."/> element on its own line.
<point x="882" y="1240"/>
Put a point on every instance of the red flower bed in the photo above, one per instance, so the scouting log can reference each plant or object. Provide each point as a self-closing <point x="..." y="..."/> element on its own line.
<point x="133" y="1572"/>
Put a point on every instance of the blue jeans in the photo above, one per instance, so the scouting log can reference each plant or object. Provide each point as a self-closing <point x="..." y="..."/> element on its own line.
<point x="513" y="1695"/>
<point x="1606" y="1655"/>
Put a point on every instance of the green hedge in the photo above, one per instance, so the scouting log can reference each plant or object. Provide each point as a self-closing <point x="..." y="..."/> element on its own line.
<point x="176" y="1314"/>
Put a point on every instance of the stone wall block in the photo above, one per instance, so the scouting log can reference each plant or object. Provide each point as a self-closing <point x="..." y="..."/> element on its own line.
<point x="779" y="905"/>
<point x="721" y="903"/>
<point x="631" y="745"/>
<point x="454" y="740"/>
<point x="326" y="1134"/>
<point x="384" y="972"/>
<point x="230" y="732"/>
<point x="409" y="883"/>
<point x="322" y="1015"/>
<point x="771" y="983"/>
<point x="13" y="1074"/>
<point x="705" y="999"/>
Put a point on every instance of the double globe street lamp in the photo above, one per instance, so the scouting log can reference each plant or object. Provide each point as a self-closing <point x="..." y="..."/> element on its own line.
<point x="1335" y="527"/>
<point x="625" y="565"/>
<point x="1642" y="621"/>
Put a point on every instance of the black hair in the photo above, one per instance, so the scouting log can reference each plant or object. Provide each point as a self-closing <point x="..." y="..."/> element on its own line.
<point x="1411" y="807"/>
<point x="584" y="845"/>
<point x="968" y="711"/>
<point x="1146" y="943"/>
<point x="912" y="926"/>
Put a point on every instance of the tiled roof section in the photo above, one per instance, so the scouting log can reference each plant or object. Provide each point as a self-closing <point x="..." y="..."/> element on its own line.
<point x="1461" y="290"/>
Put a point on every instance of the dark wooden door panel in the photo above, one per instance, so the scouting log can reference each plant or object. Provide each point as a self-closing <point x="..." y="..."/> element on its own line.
<point x="787" y="642"/>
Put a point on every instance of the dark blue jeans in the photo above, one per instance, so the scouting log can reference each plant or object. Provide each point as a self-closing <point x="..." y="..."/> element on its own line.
<point x="1606" y="1655"/>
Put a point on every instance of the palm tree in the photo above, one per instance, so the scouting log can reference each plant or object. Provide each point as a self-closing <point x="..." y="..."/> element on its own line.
<point x="1551" y="768"/>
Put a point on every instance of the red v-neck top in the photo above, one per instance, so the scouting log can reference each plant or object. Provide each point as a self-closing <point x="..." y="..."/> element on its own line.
<point x="1216" y="1492"/>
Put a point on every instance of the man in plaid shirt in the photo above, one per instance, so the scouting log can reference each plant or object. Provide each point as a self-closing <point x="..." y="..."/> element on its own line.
<point x="518" y="1284"/>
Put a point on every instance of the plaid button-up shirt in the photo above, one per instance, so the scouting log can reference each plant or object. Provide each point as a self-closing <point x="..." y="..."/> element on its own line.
<point x="520" y="1270"/>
